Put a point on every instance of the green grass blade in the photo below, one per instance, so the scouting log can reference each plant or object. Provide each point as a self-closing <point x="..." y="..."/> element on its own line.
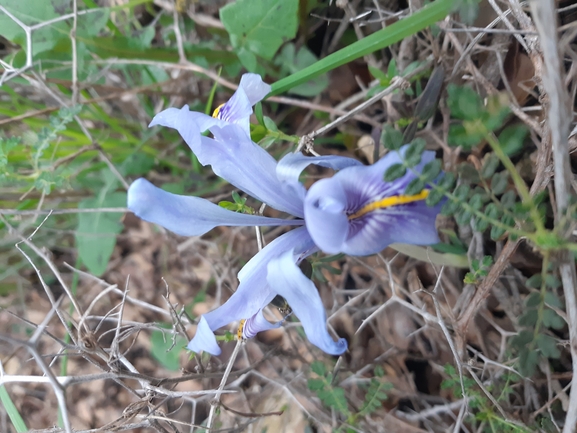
<point x="11" y="410"/>
<point x="426" y="254"/>
<point x="428" y="15"/>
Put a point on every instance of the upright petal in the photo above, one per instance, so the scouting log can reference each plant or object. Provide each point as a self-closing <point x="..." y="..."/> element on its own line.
<point x="235" y="158"/>
<point x="253" y="292"/>
<point x="254" y="88"/>
<point x="286" y="279"/>
<point x="188" y="216"/>
<point x="237" y="110"/>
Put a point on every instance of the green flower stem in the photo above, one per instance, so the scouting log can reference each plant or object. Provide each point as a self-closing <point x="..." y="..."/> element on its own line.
<point x="517" y="180"/>
<point x="279" y="135"/>
<point x="396" y="32"/>
<point x="543" y="290"/>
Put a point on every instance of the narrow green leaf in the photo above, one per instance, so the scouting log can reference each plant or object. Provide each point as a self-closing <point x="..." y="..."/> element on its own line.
<point x="12" y="411"/>
<point x="428" y="255"/>
<point x="396" y="32"/>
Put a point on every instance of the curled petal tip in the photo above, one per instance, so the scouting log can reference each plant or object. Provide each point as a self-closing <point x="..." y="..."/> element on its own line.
<point x="204" y="340"/>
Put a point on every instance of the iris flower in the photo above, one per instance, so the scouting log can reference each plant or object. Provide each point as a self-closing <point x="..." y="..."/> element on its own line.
<point x="353" y="212"/>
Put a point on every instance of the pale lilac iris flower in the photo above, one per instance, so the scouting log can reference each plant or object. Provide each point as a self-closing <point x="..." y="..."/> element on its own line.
<point x="353" y="212"/>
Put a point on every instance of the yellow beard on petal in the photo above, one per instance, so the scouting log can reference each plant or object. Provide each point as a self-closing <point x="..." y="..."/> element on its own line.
<point x="390" y="201"/>
<point x="216" y="111"/>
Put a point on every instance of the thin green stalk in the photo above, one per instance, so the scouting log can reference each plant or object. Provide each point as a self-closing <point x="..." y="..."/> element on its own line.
<point x="12" y="411"/>
<point x="518" y="181"/>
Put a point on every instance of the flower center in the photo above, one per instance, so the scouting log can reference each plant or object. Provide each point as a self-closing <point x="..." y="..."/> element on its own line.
<point x="216" y="111"/>
<point x="388" y="202"/>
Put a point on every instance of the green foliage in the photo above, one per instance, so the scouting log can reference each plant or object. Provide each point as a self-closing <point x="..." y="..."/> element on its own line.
<point x="391" y="138"/>
<point x="335" y="398"/>
<point x="533" y="341"/>
<point x="481" y="407"/>
<point x="237" y="205"/>
<point x="391" y="34"/>
<point x="331" y="396"/>
<point x="394" y="172"/>
<point x="479" y="270"/>
<point x="166" y="348"/>
<point x="257" y="28"/>
<point x="291" y="61"/>
<point x="96" y="232"/>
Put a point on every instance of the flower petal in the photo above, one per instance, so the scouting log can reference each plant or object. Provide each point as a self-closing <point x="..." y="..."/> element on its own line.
<point x="325" y="217"/>
<point x="235" y="158"/>
<point x="253" y="292"/>
<point x="329" y="201"/>
<point x="254" y="88"/>
<point x="286" y="279"/>
<point x="291" y="165"/>
<point x="204" y="339"/>
<point x="237" y="110"/>
<point x="188" y="216"/>
<point x="256" y="324"/>
<point x="412" y="224"/>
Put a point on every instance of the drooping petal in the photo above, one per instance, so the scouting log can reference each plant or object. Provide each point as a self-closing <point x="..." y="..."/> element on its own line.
<point x="330" y="203"/>
<point x="256" y="324"/>
<point x="286" y="279"/>
<point x="204" y="339"/>
<point x="253" y="292"/>
<point x="188" y="216"/>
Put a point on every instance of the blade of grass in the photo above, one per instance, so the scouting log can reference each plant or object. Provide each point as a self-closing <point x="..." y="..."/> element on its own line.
<point x="428" y="15"/>
<point x="12" y="412"/>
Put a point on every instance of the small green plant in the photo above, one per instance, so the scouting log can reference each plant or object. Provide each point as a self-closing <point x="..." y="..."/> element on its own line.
<point x="334" y="397"/>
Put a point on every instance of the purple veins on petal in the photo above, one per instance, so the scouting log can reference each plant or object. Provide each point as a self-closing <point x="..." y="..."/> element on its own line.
<point x="287" y="280"/>
<point x="186" y="215"/>
<point x="257" y="323"/>
<point x="355" y="212"/>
